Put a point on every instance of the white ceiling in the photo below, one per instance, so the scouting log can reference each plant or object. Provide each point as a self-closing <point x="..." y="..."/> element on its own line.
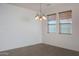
<point x="45" y="6"/>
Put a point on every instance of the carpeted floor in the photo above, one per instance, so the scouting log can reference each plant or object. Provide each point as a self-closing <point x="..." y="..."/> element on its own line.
<point x="39" y="50"/>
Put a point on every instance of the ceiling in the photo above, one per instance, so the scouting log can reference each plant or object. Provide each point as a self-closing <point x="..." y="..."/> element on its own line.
<point x="45" y="6"/>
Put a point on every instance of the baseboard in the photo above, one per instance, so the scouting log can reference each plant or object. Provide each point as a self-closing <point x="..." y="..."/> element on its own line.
<point x="61" y="47"/>
<point x="20" y="46"/>
<point x="38" y="44"/>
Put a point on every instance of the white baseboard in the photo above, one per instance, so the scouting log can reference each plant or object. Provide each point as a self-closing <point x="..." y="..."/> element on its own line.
<point x="60" y="47"/>
<point x="21" y="46"/>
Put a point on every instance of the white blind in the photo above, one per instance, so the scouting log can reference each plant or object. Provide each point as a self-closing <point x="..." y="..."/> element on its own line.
<point x="52" y="17"/>
<point x="65" y="15"/>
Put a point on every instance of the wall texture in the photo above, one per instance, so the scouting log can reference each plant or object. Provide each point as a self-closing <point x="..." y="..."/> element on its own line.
<point x="18" y="27"/>
<point x="63" y="40"/>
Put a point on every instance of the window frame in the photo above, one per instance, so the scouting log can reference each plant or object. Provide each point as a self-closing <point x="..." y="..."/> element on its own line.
<point x="64" y="23"/>
<point x="50" y="24"/>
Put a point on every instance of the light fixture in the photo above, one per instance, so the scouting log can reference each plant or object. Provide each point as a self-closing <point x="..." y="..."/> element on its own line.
<point x="40" y="16"/>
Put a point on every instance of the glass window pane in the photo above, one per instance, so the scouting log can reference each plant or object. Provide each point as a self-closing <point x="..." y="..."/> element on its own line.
<point x="65" y="22"/>
<point x="52" y="23"/>
<point x="52" y="28"/>
<point x="66" y="28"/>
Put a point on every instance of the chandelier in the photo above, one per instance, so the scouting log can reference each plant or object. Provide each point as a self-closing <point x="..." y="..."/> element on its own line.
<point x="40" y="16"/>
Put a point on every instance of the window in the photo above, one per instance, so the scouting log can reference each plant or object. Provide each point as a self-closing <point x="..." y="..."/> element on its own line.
<point x="65" y="23"/>
<point x="52" y="23"/>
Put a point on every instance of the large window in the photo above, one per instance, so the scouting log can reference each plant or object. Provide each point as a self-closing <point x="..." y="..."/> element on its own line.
<point x="52" y="23"/>
<point x="63" y="20"/>
<point x="65" y="24"/>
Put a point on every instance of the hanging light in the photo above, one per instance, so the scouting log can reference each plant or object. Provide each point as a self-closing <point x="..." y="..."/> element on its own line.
<point x="40" y="16"/>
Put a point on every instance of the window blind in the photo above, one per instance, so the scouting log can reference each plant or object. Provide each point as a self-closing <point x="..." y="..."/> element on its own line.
<point x="65" y="15"/>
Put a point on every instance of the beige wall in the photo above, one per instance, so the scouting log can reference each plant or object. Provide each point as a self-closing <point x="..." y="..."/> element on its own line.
<point x="63" y="40"/>
<point x="18" y="27"/>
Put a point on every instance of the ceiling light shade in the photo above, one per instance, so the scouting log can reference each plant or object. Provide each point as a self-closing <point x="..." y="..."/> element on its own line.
<point x="40" y="16"/>
<point x="44" y="17"/>
<point x="37" y="17"/>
